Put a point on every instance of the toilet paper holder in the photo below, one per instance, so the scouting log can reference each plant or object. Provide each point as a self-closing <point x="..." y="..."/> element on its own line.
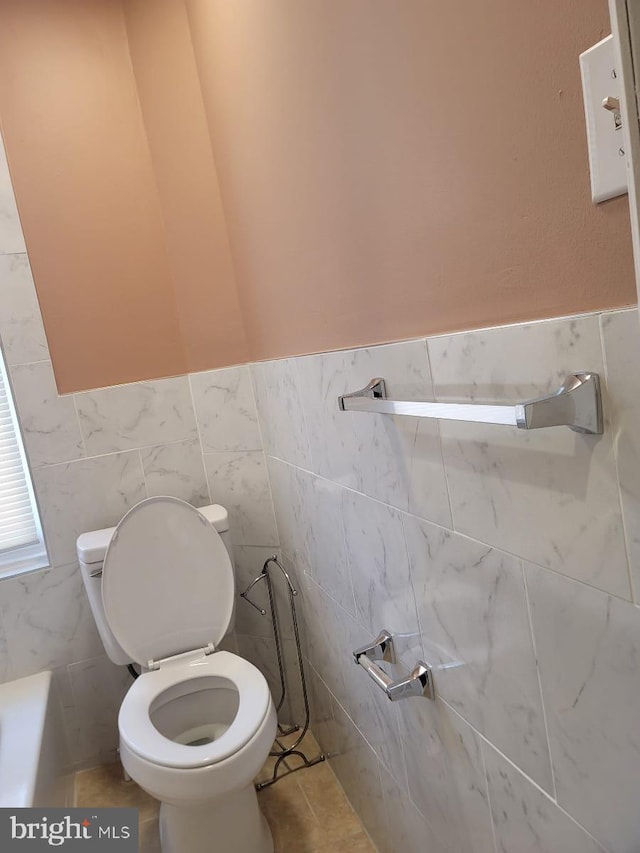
<point x="419" y="682"/>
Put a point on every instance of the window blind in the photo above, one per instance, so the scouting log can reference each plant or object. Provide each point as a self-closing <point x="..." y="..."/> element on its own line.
<point x="21" y="539"/>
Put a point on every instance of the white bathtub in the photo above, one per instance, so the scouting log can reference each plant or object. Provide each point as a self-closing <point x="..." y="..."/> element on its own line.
<point x="34" y="762"/>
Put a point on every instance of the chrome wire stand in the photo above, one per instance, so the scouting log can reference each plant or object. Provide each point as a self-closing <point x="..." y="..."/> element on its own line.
<point x="284" y="751"/>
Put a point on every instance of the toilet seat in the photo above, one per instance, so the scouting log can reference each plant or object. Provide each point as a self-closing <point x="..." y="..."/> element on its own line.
<point x="167" y="581"/>
<point x="143" y="738"/>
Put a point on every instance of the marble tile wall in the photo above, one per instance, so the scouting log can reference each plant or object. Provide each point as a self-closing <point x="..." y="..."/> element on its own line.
<point x="95" y="454"/>
<point x="508" y="560"/>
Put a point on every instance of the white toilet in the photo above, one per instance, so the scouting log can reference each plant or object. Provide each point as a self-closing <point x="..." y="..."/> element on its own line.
<point x="198" y="724"/>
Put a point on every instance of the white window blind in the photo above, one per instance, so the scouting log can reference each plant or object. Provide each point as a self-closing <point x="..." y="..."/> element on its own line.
<point x="21" y="541"/>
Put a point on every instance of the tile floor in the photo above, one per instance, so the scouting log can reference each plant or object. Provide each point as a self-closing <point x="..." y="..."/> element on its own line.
<point x="308" y="811"/>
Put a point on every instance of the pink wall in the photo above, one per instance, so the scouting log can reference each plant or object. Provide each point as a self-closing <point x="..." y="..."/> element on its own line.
<point x="86" y="191"/>
<point x="396" y="169"/>
<point x="202" y="182"/>
<point x="111" y="160"/>
<point x="195" y="229"/>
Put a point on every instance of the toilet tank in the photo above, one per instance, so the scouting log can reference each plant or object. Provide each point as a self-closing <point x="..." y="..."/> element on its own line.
<point x="91" y="548"/>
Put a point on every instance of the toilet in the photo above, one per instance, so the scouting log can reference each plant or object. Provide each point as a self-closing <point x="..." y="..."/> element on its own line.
<point x="198" y="724"/>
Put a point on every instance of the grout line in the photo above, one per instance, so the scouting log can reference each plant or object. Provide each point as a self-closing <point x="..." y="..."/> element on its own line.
<point x="199" y="436"/>
<point x="347" y="560"/>
<point x="79" y="424"/>
<point x="441" y="445"/>
<point x="541" y="790"/>
<point x="264" y="455"/>
<point x="544" y="793"/>
<point x="537" y="661"/>
<point x="127" y="450"/>
<point x="144" y="476"/>
<point x="484" y="740"/>
<point x="465" y="536"/>
<point x="486" y="784"/>
<point x="297" y="381"/>
<point x="614" y="447"/>
<point x="13" y="366"/>
<point x="412" y="585"/>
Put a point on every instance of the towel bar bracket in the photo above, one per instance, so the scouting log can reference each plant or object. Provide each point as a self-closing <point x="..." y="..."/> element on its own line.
<point x="576" y="404"/>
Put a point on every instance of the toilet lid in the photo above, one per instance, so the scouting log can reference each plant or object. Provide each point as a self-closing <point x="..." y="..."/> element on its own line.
<point x="167" y="581"/>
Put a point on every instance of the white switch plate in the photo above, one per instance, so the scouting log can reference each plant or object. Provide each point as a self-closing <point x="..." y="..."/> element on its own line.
<point x="607" y="161"/>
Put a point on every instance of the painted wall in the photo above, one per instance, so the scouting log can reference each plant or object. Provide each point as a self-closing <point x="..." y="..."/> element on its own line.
<point x="105" y="131"/>
<point x="508" y="560"/>
<point x="93" y="456"/>
<point x="206" y="183"/>
<point x="396" y="169"/>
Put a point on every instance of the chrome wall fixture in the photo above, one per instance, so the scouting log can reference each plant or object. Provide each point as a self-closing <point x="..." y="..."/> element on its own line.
<point x="576" y="404"/>
<point x="419" y="682"/>
<point x="283" y="752"/>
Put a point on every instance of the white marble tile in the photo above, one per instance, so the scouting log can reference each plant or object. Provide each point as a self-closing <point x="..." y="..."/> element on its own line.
<point x="139" y="414"/>
<point x="21" y="329"/>
<point x="238" y="481"/>
<point x="475" y="627"/>
<point x="226" y="410"/>
<point x="331" y="433"/>
<point x="356" y="766"/>
<point x="249" y="562"/>
<point x="397" y="460"/>
<point x="280" y="410"/>
<point x="89" y="494"/>
<point x="229" y="643"/>
<point x="49" y="422"/>
<point x="322" y="720"/>
<point x="408" y="829"/>
<point x="11" y="239"/>
<point x="261" y="396"/>
<point x="47" y="619"/>
<point x="325" y="539"/>
<point x="588" y="646"/>
<point x="98" y="690"/>
<point x="551" y="495"/>
<point x="290" y="511"/>
<point x="5" y="668"/>
<point x="328" y="641"/>
<point x="261" y="652"/>
<point x="524" y="819"/>
<point x="367" y="705"/>
<point x="379" y="567"/>
<point x="176" y="469"/>
<point x="621" y="340"/>
<point x="446" y="776"/>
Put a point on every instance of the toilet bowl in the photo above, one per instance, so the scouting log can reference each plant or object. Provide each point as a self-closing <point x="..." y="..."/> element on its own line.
<point x="198" y="724"/>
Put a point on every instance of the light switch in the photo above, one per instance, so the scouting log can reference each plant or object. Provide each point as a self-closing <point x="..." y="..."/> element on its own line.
<point x="601" y="88"/>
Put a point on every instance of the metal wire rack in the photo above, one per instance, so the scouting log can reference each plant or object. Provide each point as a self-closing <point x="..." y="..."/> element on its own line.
<point x="283" y="752"/>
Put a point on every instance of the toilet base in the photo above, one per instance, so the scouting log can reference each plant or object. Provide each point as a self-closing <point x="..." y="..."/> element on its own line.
<point x="229" y="824"/>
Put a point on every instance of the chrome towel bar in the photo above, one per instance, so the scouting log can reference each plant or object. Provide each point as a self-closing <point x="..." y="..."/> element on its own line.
<point x="419" y="682"/>
<point x="576" y="404"/>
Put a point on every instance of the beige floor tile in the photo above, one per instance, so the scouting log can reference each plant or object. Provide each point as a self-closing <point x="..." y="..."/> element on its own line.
<point x="307" y="811"/>
<point x="267" y="770"/>
<point x="104" y="787"/>
<point x="359" y="843"/>
<point x="149" y="836"/>
<point x="308" y="744"/>
<point x="328" y="803"/>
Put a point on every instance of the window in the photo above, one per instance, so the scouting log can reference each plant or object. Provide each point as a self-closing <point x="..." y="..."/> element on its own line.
<point x="22" y="547"/>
